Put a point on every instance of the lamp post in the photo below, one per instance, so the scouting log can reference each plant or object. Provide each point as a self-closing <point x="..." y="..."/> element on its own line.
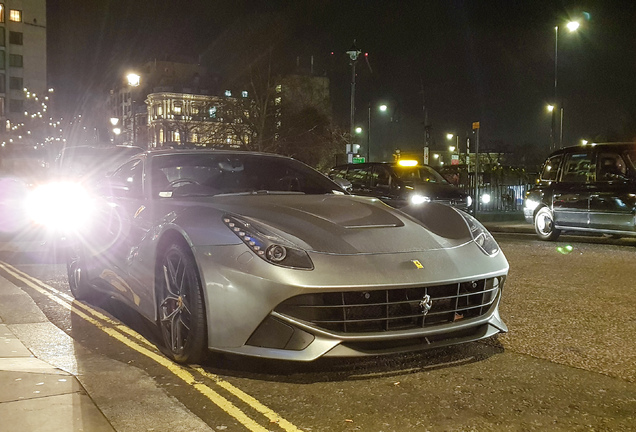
<point x="382" y="108"/>
<point x="114" y="121"/>
<point x="353" y="56"/>
<point x="133" y="81"/>
<point x="450" y="136"/>
<point x="572" y="26"/>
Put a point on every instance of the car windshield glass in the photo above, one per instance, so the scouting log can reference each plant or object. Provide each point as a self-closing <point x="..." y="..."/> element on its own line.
<point x="419" y="174"/>
<point x="214" y="174"/>
<point x="87" y="161"/>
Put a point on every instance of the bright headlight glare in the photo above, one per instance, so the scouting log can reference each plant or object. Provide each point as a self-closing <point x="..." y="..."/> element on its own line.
<point x="61" y="206"/>
<point x="419" y="199"/>
<point x="481" y="236"/>
<point x="469" y="200"/>
<point x="268" y="246"/>
<point x="531" y="204"/>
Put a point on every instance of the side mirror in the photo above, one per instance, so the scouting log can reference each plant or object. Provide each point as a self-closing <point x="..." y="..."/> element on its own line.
<point x="343" y="183"/>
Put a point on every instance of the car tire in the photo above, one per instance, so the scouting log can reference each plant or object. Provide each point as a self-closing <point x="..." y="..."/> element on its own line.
<point x="77" y="274"/>
<point x="544" y="225"/>
<point x="181" y="312"/>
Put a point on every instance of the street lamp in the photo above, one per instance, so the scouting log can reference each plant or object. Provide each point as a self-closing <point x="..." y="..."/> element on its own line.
<point x="114" y="121"/>
<point x="133" y="81"/>
<point x="381" y="108"/>
<point x="572" y="26"/>
<point x="353" y="54"/>
<point x="450" y="136"/>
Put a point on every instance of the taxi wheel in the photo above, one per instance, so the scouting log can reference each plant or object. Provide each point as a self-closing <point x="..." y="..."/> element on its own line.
<point x="180" y="305"/>
<point x="544" y="225"/>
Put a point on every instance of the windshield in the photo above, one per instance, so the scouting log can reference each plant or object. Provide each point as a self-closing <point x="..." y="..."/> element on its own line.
<point x="214" y="174"/>
<point x="419" y="174"/>
<point x="87" y="161"/>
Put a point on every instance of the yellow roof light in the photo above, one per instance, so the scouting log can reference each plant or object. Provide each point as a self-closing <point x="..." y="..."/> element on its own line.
<point x="407" y="162"/>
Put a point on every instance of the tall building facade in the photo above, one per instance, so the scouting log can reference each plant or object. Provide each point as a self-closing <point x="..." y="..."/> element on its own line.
<point x="177" y="104"/>
<point x="22" y="56"/>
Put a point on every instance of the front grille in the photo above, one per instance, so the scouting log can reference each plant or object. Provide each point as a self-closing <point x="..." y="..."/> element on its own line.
<point x="394" y="309"/>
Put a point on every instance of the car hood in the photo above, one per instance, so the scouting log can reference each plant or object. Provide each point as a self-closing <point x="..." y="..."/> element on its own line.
<point x="343" y="224"/>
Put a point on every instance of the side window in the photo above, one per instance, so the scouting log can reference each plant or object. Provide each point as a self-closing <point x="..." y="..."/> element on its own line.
<point x="380" y="177"/>
<point x="550" y="168"/>
<point x="127" y="180"/>
<point x="578" y="168"/>
<point x="610" y="166"/>
<point x="342" y="173"/>
<point x="358" y="177"/>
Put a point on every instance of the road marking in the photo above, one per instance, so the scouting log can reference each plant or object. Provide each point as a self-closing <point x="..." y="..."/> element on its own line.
<point x="124" y="335"/>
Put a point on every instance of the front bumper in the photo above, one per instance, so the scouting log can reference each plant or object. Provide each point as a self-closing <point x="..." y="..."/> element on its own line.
<point x="243" y="296"/>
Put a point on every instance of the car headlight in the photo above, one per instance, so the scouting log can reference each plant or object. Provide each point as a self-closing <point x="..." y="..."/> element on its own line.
<point x="268" y="246"/>
<point x="419" y="199"/>
<point x="531" y="204"/>
<point x="469" y="200"/>
<point x="63" y="206"/>
<point x="482" y="238"/>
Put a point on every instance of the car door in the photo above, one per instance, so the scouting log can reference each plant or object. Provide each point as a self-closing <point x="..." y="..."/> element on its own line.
<point x="571" y="195"/>
<point x="130" y="223"/>
<point x="612" y="197"/>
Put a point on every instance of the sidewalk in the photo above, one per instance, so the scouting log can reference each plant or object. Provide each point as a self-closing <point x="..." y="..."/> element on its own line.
<point x="35" y="396"/>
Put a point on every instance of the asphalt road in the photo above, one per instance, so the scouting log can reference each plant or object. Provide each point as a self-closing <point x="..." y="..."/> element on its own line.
<point x="568" y="362"/>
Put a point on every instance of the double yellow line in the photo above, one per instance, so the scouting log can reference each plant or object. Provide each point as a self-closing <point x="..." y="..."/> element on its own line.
<point x="138" y="343"/>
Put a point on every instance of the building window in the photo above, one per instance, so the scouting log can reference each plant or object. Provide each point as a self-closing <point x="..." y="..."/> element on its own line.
<point x="159" y="110"/>
<point x="279" y="88"/>
<point x="2" y="62"/>
<point x="15" y="60"/>
<point x="15" y="15"/>
<point x="176" y="109"/>
<point x="2" y="42"/>
<point x="213" y="112"/>
<point x="2" y="83"/>
<point x="16" y="105"/>
<point x="1" y="13"/>
<point x="15" y="83"/>
<point x="15" y="38"/>
<point x="1" y="106"/>
<point x="244" y="93"/>
<point x="228" y="93"/>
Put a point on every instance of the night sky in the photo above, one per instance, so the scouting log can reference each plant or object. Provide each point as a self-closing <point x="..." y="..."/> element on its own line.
<point x="464" y="61"/>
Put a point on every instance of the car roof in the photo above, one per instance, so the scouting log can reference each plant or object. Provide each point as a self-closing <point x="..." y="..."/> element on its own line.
<point x="390" y="164"/>
<point x="160" y="152"/>
<point x="612" y="145"/>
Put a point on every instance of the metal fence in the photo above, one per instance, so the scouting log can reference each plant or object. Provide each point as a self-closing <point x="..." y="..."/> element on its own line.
<point x="499" y="195"/>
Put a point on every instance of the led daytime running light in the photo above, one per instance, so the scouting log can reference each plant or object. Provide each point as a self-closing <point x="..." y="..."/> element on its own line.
<point x="267" y="246"/>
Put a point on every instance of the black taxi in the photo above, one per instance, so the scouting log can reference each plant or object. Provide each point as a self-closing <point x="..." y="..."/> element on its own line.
<point x="589" y="188"/>
<point x="401" y="183"/>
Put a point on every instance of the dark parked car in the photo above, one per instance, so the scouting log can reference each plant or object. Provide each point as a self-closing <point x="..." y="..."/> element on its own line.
<point x="588" y="188"/>
<point x="401" y="183"/>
